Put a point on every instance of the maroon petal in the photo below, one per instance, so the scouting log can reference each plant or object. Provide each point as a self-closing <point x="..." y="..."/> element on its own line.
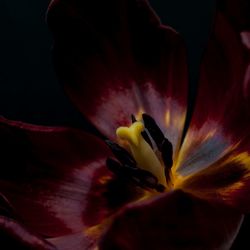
<point x="15" y="236"/>
<point x="55" y="180"/>
<point x="173" y="221"/>
<point x="237" y="11"/>
<point x="227" y="181"/>
<point x="221" y="118"/>
<point x="77" y="241"/>
<point x="47" y="175"/>
<point x="116" y="59"/>
<point x="215" y="156"/>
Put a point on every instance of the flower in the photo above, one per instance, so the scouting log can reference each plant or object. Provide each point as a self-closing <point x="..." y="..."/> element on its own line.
<point x="114" y="61"/>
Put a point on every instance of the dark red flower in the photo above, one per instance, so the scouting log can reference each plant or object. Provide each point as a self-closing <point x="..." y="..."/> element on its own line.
<point x="114" y="61"/>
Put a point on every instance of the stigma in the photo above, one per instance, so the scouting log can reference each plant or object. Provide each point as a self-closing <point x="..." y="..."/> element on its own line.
<point x="142" y="151"/>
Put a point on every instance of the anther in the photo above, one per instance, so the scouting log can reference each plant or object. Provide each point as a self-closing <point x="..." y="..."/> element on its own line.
<point x="167" y="153"/>
<point x="139" y="177"/>
<point x="163" y="144"/>
<point x="133" y="119"/>
<point x="121" y="154"/>
<point x="153" y="130"/>
<point x="160" y="188"/>
<point x="148" y="180"/>
<point x="113" y="166"/>
<point x="146" y="138"/>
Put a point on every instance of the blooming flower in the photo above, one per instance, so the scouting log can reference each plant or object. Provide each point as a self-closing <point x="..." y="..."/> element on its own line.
<point x="57" y="190"/>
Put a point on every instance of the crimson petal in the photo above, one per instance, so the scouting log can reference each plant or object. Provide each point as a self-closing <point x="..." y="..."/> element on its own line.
<point x="221" y="118"/>
<point x="238" y="12"/>
<point x="47" y="175"/>
<point x="173" y="221"/>
<point x="15" y="236"/>
<point x="217" y="145"/>
<point x="77" y="241"/>
<point x="116" y="59"/>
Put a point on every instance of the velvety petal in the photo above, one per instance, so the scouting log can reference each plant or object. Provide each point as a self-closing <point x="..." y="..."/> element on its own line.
<point x="221" y="117"/>
<point x="15" y="236"/>
<point x="56" y="180"/>
<point x="46" y="175"/>
<point x="242" y="239"/>
<point x="214" y="161"/>
<point x="227" y="181"/>
<point x="77" y="241"/>
<point x="237" y="11"/>
<point x="116" y="59"/>
<point x="6" y="208"/>
<point x="173" y="221"/>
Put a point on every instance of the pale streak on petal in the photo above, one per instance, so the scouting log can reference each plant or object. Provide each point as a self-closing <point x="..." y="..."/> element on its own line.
<point x="201" y="148"/>
<point x="245" y="38"/>
<point x="72" y="199"/>
<point x="226" y="180"/>
<point x="118" y="103"/>
<point x="228" y="244"/>
<point x="76" y="241"/>
<point x="121" y="102"/>
<point x="174" y="120"/>
<point x="246" y="84"/>
<point x="168" y="113"/>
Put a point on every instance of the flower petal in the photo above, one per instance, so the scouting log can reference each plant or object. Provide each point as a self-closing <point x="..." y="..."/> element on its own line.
<point x="15" y="236"/>
<point x="221" y="117"/>
<point x="227" y="180"/>
<point x="242" y="238"/>
<point x="117" y="60"/>
<point x="215" y="157"/>
<point x="77" y="241"/>
<point x="237" y="11"/>
<point x="60" y="174"/>
<point x="47" y="173"/>
<point x="173" y="221"/>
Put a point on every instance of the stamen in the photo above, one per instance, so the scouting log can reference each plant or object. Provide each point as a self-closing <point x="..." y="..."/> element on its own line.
<point x="167" y="153"/>
<point x="146" y="138"/>
<point x="153" y="130"/>
<point x="139" y="177"/>
<point x="163" y="144"/>
<point x="141" y="150"/>
<point x="133" y="119"/>
<point x="121" y="154"/>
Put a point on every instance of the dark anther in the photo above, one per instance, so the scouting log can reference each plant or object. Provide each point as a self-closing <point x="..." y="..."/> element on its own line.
<point x="146" y="138"/>
<point x="113" y="166"/>
<point x="133" y="119"/>
<point x="122" y="171"/>
<point x="153" y="130"/>
<point x="121" y="154"/>
<point x="167" y="153"/>
<point x="6" y="208"/>
<point x="160" y="188"/>
<point x="138" y="176"/>
<point x="163" y="144"/>
<point x="146" y="179"/>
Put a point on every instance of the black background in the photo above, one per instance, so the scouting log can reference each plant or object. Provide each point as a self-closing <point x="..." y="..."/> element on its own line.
<point x="29" y="90"/>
